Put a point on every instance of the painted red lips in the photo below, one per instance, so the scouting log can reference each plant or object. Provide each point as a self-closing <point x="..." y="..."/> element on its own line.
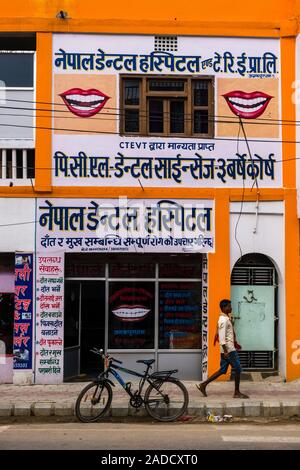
<point x="84" y="103"/>
<point x="247" y="105"/>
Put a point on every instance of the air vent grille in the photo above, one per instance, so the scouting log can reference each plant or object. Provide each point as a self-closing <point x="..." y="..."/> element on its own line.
<point x="246" y="276"/>
<point x="165" y="43"/>
<point x="256" y="359"/>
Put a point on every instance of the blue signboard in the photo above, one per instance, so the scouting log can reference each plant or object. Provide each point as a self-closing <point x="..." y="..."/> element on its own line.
<point x="23" y="315"/>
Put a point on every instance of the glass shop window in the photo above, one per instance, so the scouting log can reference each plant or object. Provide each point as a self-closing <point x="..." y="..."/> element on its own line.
<point x="131" y="315"/>
<point x="132" y="270"/>
<point x="180" y="315"/>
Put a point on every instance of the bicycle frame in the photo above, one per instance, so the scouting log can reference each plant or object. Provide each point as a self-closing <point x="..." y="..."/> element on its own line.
<point x="111" y="369"/>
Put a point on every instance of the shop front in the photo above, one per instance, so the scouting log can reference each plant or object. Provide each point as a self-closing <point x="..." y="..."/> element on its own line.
<point x="131" y="279"/>
<point x="135" y="307"/>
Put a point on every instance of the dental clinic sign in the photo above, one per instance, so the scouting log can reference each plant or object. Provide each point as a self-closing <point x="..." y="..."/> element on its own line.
<point x="87" y="74"/>
<point x="121" y="225"/>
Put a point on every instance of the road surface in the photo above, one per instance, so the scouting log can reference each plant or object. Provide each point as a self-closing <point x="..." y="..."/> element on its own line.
<point x="149" y="436"/>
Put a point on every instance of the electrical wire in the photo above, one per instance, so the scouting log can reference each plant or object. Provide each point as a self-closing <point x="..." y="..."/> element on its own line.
<point x="121" y="111"/>
<point x="87" y="131"/>
<point x="236" y="118"/>
<point x="242" y="202"/>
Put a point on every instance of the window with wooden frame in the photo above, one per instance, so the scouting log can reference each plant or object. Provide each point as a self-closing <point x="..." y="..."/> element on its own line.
<point x="167" y="106"/>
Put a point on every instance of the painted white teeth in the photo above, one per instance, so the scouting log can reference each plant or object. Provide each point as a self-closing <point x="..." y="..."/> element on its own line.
<point x="84" y="108"/>
<point x="85" y="98"/>
<point x="242" y="103"/>
<point x="130" y="313"/>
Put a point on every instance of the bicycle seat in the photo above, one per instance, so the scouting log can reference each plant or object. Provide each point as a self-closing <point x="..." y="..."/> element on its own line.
<point x="147" y="362"/>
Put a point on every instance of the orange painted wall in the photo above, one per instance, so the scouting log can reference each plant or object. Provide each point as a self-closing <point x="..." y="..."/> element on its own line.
<point x="292" y="283"/>
<point x="169" y="16"/>
<point x="219" y="271"/>
<point x="43" y="158"/>
<point x="231" y="10"/>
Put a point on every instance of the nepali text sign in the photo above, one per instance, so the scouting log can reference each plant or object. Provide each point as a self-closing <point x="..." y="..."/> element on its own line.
<point x="49" y="318"/>
<point x="23" y="315"/>
<point x="96" y="143"/>
<point x="152" y="225"/>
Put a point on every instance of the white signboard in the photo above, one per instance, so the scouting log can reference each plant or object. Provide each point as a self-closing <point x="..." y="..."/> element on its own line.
<point x="121" y="225"/>
<point x="87" y="145"/>
<point x="49" y="318"/>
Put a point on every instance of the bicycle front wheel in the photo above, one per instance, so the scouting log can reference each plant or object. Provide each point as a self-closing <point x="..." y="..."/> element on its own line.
<point x="93" y="402"/>
<point x="166" y="399"/>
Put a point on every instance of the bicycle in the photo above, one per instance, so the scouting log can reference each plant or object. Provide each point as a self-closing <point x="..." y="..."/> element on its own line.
<point x="95" y="399"/>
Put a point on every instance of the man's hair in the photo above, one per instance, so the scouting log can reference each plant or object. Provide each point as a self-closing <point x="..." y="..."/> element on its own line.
<point x="224" y="303"/>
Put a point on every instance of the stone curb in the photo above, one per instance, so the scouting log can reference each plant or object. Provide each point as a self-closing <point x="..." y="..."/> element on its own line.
<point x="43" y="409"/>
<point x="64" y="409"/>
<point x="6" y="409"/>
<point x="239" y="409"/>
<point x="22" y="409"/>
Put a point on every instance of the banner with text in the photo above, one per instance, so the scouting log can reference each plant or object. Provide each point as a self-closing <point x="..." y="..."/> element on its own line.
<point x="121" y="225"/>
<point x="23" y="316"/>
<point x="49" y="318"/>
<point x="174" y="119"/>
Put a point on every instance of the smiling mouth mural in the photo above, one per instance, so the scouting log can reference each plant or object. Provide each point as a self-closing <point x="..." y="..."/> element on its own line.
<point x="131" y="312"/>
<point x="247" y="105"/>
<point x="84" y="103"/>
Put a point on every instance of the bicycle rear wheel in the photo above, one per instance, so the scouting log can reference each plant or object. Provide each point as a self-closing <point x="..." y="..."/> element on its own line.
<point x="93" y="402"/>
<point x="166" y="399"/>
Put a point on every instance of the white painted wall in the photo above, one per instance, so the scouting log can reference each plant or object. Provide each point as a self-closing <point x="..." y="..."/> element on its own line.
<point x="17" y="237"/>
<point x="269" y="240"/>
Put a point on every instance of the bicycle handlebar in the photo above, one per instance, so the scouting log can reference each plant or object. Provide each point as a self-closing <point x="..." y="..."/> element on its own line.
<point x="101" y="353"/>
<point x="116" y="360"/>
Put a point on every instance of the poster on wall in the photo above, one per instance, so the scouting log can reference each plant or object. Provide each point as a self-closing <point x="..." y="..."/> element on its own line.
<point x="131" y="315"/>
<point x="204" y="317"/>
<point x="49" y="318"/>
<point x="179" y="315"/>
<point x="23" y="315"/>
<point x="103" y="109"/>
<point x="121" y="225"/>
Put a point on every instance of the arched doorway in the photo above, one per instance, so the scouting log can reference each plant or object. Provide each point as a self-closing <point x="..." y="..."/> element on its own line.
<point x="254" y="306"/>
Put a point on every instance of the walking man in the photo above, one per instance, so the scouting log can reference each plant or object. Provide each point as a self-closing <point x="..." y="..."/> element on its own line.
<point x="229" y="355"/>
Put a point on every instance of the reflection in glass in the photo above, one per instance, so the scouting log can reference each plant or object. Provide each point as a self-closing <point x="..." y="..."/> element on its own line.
<point x="201" y="93"/>
<point x="131" y="315"/>
<point x="156" y="115"/>
<point x="177" y="116"/>
<point x="72" y="292"/>
<point x="132" y="92"/>
<point x="180" y="315"/>
<point x="137" y="270"/>
<point x="200" y="122"/>
<point x="132" y="120"/>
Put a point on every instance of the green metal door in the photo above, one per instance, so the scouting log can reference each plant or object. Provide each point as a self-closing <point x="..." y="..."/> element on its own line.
<point x="254" y="316"/>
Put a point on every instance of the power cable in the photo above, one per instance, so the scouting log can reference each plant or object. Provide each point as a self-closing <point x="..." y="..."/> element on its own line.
<point x="242" y="202"/>
<point x="269" y="121"/>
<point x="87" y="131"/>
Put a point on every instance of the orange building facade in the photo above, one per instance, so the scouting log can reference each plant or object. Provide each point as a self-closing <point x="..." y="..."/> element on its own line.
<point x="148" y="170"/>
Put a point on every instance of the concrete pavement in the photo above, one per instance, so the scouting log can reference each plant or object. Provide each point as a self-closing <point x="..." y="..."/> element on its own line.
<point x="267" y="400"/>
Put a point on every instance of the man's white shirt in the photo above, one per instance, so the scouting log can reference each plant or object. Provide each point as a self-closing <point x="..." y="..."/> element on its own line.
<point x="226" y="334"/>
